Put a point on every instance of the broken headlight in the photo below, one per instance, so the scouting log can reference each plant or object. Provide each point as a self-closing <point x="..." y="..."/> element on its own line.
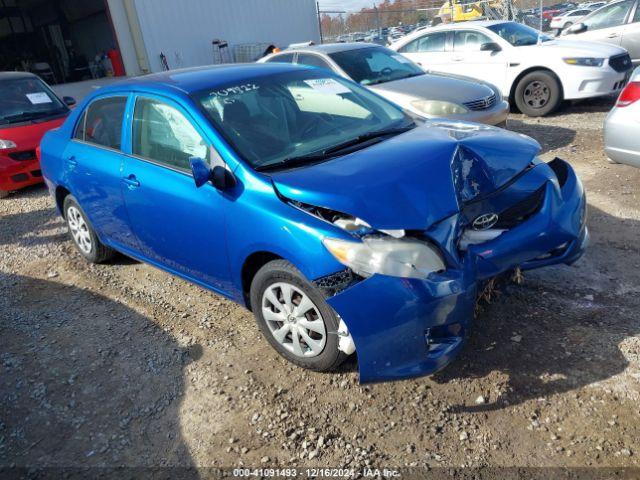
<point x="396" y="257"/>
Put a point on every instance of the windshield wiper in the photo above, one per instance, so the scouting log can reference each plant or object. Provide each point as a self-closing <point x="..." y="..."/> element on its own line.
<point x="368" y="136"/>
<point x="26" y="116"/>
<point x="294" y="161"/>
<point x="333" y="151"/>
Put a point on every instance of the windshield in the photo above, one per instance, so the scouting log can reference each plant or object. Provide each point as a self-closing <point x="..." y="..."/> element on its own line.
<point x="26" y="99"/>
<point x="518" y="34"/>
<point x="275" y="120"/>
<point x="369" y="66"/>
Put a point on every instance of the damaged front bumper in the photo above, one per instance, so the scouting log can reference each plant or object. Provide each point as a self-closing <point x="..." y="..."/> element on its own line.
<point x="406" y="328"/>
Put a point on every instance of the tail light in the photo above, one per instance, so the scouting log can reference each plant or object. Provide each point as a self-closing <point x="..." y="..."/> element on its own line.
<point x="630" y="94"/>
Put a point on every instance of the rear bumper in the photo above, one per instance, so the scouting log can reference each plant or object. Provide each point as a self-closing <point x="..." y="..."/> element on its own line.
<point x="19" y="174"/>
<point x="406" y="328"/>
<point x="622" y="135"/>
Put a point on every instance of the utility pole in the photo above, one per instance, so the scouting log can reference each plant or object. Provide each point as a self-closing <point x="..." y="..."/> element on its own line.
<point x="319" y="21"/>
<point x="540" y="13"/>
<point x="375" y="9"/>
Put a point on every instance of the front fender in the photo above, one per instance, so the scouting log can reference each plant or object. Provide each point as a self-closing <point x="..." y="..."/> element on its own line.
<point x="278" y="228"/>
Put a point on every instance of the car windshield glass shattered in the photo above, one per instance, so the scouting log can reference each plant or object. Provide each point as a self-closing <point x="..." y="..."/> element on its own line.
<point x="25" y="99"/>
<point x="369" y="66"/>
<point x="519" y="35"/>
<point x="301" y="117"/>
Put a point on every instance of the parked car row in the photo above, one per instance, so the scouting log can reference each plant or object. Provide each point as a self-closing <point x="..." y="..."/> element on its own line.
<point x="534" y="70"/>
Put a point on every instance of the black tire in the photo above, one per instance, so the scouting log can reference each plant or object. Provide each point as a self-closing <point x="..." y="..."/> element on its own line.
<point x="538" y="93"/>
<point x="278" y="271"/>
<point x="97" y="252"/>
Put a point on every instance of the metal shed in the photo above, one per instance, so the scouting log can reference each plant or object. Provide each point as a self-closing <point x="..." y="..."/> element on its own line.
<point x="183" y="30"/>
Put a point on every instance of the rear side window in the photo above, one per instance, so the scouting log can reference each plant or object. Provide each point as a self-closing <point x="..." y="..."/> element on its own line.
<point x="312" y="61"/>
<point x="284" y="58"/>
<point x="468" y="40"/>
<point x="101" y="124"/>
<point x="161" y="133"/>
<point x="433" y="42"/>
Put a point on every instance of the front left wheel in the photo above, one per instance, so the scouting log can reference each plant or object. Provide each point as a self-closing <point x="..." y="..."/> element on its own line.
<point x="538" y="93"/>
<point x="295" y="318"/>
<point x="82" y="233"/>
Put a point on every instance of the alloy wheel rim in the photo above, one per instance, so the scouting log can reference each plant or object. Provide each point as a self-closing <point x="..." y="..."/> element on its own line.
<point x="294" y="320"/>
<point x="536" y="94"/>
<point x="79" y="229"/>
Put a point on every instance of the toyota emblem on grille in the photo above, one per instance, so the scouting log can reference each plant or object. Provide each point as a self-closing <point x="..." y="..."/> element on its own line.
<point x="486" y="221"/>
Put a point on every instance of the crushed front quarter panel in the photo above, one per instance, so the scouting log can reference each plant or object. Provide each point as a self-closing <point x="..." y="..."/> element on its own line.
<point x="406" y="328"/>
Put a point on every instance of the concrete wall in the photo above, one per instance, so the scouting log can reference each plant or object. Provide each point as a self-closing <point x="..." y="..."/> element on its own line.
<point x="183" y="29"/>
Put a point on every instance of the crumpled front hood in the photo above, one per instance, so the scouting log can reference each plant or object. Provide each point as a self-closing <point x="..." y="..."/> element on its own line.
<point x="414" y="179"/>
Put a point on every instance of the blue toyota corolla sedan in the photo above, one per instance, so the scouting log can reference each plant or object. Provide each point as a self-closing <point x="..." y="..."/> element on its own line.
<point x="344" y="224"/>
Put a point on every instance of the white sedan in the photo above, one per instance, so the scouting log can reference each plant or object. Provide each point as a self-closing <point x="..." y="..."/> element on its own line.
<point x="534" y="70"/>
<point x="565" y="20"/>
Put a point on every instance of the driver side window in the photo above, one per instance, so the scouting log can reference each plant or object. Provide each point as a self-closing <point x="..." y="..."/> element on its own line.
<point x="163" y="134"/>
<point x="609" y="16"/>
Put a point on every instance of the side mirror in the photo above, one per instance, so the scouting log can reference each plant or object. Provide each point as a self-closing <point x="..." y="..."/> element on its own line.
<point x="490" y="47"/>
<point x="220" y="177"/>
<point x="69" y="101"/>
<point x="577" y="28"/>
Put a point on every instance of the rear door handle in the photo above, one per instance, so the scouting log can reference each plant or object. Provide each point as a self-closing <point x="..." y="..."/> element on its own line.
<point x="457" y="59"/>
<point x="131" y="181"/>
<point x="612" y="35"/>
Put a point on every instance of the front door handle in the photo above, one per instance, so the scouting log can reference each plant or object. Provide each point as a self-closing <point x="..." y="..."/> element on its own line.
<point x="131" y="181"/>
<point x="612" y="35"/>
<point x="73" y="163"/>
<point x="457" y="59"/>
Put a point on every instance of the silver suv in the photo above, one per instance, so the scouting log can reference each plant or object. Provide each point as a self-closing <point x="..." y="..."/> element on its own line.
<point x="617" y="22"/>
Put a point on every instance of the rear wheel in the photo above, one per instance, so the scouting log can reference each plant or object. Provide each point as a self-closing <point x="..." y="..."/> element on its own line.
<point x="538" y="93"/>
<point x="82" y="233"/>
<point x="295" y="318"/>
<point x="567" y="25"/>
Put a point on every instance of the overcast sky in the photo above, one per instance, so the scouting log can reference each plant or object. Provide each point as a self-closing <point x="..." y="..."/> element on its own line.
<point x="347" y="5"/>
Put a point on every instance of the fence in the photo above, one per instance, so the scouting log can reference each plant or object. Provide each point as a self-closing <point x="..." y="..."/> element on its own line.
<point x="390" y="20"/>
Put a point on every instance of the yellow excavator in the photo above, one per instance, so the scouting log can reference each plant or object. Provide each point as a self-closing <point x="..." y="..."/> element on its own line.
<point x="464" y="10"/>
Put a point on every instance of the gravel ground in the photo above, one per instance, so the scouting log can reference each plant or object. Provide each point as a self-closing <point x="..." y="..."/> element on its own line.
<point x="122" y="364"/>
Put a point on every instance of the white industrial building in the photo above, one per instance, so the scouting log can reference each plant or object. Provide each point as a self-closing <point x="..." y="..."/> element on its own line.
<point x="70" y="40"/>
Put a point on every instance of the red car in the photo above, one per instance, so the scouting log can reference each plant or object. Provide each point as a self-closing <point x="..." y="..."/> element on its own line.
<point x="28" y="109"/>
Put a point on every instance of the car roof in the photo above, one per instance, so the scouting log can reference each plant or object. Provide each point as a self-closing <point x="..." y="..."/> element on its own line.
<point x="463" y="25"/>
<point x="328" y="48"/>
<point x="14" y="75"/>
<point x="189" y="80"/>
<point x="448" y="26"/>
